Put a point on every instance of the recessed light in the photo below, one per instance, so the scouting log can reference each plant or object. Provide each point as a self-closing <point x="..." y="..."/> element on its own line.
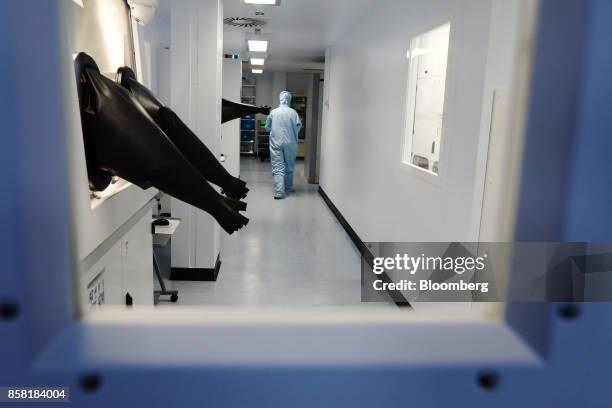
<point x="257" y="61"/>
<point x="258" y="45"/>
<point x="264" y="2"/>
<point x="257" y="71"/>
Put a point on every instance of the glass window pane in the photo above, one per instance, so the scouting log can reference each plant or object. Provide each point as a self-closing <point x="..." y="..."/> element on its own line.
<point x="428" y="57"/>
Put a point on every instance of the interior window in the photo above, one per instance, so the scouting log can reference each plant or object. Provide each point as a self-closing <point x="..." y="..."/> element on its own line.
<point x="428" y="57"/>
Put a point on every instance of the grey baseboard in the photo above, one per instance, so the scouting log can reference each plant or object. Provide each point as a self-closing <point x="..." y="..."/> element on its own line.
<point x="396" y="296"/>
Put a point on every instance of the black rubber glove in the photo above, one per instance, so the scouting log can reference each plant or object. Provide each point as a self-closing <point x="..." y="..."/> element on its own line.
<point x="121" y="139"/>
<point x="183" y="138"/>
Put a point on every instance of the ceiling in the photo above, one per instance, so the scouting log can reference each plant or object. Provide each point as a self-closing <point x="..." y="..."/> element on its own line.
<point x="298" y="30"/>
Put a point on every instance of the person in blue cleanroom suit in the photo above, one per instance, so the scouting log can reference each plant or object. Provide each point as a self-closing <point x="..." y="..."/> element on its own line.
<point x="284" y="126"/>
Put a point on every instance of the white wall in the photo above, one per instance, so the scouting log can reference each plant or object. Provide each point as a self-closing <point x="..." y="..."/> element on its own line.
<point x="100" y="28"/>
<point x="153" y="39"/>
<point x="155" y="57"/>
<point x="493" y="156"/>
<point x="230" y="131"/>
<point x="197" y="45"/>
<point x="319" y="127"/>
<point x="164" y="74"/>
<point x="364" y="114"/>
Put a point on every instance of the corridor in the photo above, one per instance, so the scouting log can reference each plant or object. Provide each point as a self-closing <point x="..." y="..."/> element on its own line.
<point x="293" y="252"/>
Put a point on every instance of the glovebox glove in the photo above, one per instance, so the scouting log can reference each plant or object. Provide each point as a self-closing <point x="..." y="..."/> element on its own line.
<point x="121" y="139"/>
<point x="183" y="138"/>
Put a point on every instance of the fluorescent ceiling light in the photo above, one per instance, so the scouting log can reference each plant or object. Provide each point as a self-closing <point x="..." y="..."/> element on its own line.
<point x="258" y="45"/>
<point x="257" y="71"/>
<point x="257" y="61"/>
<point x="264" y="2"/>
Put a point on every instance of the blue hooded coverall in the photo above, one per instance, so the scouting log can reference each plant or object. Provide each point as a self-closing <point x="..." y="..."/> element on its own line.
<point x="284" y="126"/>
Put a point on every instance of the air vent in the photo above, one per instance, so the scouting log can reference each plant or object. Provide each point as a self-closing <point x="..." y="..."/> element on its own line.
<point x="244" y="22"/>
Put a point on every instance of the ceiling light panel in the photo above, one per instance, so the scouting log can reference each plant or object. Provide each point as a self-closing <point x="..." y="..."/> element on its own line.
<point x="257" y="71"/>
<point x="263" y="2"/>
<point x="258" y="45"/>
<point x="257" y="61"/>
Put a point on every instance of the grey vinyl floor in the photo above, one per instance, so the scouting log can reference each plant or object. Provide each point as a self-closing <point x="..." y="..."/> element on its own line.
<point x="293" y="252"/>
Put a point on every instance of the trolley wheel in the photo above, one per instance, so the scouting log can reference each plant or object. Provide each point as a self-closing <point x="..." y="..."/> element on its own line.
<point x="173" y="298"/>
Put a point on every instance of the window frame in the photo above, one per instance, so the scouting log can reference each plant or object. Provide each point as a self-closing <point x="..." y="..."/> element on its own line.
<point x="410" y="108"/>
<point x="271" y="355"/>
